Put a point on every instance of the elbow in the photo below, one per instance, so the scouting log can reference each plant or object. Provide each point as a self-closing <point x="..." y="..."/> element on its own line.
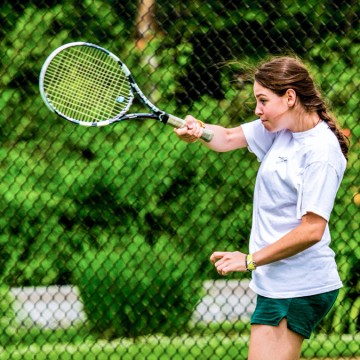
<point x="314" y="236"/>
<point x="313" y="226"/>
<point x="314" y="240"/>
<point x="234" y="139"/>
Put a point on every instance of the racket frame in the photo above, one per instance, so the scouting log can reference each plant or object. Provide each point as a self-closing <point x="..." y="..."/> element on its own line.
<point x="156" y="114"/>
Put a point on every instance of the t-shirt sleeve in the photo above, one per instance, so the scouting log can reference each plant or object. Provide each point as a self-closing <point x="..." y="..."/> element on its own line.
<point x="321" y="182"/>
<point x="258" y="138"/>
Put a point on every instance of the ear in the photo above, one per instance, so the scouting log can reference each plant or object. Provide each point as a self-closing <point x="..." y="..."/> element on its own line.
<point x="290" y="97"/>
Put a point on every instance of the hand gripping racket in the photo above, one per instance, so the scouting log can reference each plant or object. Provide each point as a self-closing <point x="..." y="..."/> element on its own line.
<point x="90" y="86"/>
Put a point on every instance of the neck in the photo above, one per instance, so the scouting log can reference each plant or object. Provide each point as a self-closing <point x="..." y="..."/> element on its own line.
<point x="305" y="121"/>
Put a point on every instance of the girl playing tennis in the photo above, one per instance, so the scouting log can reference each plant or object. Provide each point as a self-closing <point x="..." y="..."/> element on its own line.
<point x="303" y="156"/>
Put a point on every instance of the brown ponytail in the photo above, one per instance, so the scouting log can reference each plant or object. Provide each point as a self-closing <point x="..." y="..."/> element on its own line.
<point x="335" y="128"/>
<point x="283" y="73"/>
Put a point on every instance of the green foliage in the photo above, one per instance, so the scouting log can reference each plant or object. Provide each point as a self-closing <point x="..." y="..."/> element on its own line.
<point x="7" y="315"/>
<point x="69" y="192"/>
<point x="138" y="289"/>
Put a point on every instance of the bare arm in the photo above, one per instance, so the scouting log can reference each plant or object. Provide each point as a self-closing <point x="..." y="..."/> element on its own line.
<point x="305" y="235"/>
<point x="224" y="139"/>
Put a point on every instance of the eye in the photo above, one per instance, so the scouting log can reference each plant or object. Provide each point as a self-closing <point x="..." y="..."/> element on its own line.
<point x="262" y="101"/>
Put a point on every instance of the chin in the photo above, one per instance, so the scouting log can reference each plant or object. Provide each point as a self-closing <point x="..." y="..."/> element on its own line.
<point x="268" y="126"/>
<point x="271" y="127"/>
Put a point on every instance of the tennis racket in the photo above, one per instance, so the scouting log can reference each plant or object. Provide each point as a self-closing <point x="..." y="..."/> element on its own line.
<point x="90" y="86"/>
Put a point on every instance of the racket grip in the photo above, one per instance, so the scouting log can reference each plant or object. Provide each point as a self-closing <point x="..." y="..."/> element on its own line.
<point x="176" y="122"/>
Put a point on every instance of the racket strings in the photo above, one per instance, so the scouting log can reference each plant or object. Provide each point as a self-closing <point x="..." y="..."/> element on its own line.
<point x="86" y="84"/>
<point x="93" y="70"/>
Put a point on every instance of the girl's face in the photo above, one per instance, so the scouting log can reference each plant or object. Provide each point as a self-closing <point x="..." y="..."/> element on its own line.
<point x="273" y="110"/>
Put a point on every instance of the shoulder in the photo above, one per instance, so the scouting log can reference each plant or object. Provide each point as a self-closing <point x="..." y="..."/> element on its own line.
<point x="323" y="146"/>
<point x="255" y="126"/>
<point x="259" y="140"/>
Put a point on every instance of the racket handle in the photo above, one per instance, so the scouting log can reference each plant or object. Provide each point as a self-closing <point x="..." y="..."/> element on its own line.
<point x="176" y="122"/>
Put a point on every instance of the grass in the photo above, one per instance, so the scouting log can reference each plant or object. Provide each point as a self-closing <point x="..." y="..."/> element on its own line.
<point x="333" y="346"/>
<point x="152" y="347"/>
<point x="222" y="344"/>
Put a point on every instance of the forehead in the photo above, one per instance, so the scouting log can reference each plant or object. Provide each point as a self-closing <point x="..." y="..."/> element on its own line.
<point x="261" y="91"/>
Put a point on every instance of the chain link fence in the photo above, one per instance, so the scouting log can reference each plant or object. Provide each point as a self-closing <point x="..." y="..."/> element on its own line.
<point x="106" y="232"/>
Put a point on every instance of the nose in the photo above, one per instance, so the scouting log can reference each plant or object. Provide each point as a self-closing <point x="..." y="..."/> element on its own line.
<point x="258" y="111"/>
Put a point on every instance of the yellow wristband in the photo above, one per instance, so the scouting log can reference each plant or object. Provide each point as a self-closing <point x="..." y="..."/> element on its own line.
<point x="201" y="123"/>
<point x="250" y="263"/>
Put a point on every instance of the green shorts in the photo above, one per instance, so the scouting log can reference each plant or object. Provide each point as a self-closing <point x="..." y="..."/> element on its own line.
<point x="303" y="314"/>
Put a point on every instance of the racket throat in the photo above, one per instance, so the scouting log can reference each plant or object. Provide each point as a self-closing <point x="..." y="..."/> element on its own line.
<point x="164" y="118"/>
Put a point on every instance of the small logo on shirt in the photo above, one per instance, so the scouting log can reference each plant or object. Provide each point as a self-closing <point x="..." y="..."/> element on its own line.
<point x="281" y="159"/>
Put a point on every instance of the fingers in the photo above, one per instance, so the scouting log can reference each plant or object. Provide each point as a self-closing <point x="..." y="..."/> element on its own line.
<point x="219" y="260"/>
<point x="217" y="255"/>
<point x="191" y="132"/>
<point x="226" y="262"/>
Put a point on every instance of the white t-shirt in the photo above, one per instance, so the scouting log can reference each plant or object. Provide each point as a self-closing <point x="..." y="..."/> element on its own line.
<point x="299" y="173"/>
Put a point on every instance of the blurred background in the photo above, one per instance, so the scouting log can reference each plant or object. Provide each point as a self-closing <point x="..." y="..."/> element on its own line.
<point x="106" y="232"/>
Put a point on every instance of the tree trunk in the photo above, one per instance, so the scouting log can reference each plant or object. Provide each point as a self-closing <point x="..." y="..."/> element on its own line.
<point x="145" y="24"/>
